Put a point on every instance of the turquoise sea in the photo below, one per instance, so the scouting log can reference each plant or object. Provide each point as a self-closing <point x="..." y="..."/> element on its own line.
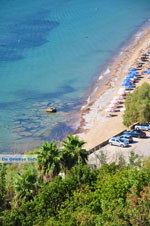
<point x="50" y="53"/>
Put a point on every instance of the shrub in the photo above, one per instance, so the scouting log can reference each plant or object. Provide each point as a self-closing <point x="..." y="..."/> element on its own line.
<point x="138" y="106"/>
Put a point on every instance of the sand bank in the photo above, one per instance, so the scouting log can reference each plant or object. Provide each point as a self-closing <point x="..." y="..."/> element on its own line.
<point x="95" y="127"/>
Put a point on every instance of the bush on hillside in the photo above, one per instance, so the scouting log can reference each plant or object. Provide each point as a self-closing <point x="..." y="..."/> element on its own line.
<point x="115" y="194"/>
<point x="138" y="106"/>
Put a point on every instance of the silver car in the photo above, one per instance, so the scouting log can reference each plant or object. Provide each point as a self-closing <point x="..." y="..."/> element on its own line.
<point x="143" y="126"/>
<point x="119" y="142"/>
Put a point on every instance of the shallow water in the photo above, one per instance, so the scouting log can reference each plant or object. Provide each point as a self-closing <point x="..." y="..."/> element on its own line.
<point x="50" y="54"/>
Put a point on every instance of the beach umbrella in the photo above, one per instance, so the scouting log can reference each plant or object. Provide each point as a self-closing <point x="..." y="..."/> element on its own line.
<point x="133" y="73"/>
<point x="122" y="95"/>
<point x="122" y="109"/>
<point x="132" y="69"/>
<point x="109" y="110"/>
<point x="116" y="98"/>
<point x="125" y="84"/>
<point x="122" y="91"/>
<point x="108" y="115"/>
<point x="114" y="102"/>
<point x="127" y="80"/>
<point x="148" y="72"/>
<point x="112" y="105"/>
<point x="130" y="87"/>
<point x="128" y="77"/>
<point x="131" y="76"/>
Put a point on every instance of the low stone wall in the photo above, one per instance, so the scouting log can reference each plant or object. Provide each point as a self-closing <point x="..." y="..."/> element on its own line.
<point x="96" y="148"/>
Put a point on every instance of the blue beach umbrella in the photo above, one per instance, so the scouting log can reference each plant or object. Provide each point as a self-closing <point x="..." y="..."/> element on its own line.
<point x="127" y="80"/>
<point x="136" y="72"/>
<point x="133" y="69"/>
<point x="133" y="73"/>
<point x="131" y="76"/>
<point x="130" y="87"/>
<point x="148" y="72"/>
<point x="125" y="84"/>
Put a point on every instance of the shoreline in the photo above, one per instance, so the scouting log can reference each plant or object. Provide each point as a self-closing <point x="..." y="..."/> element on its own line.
<point x="84" y="117"/>
<point x="105" y="87"/>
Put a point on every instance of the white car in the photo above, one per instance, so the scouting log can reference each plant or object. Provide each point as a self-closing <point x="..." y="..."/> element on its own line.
<point x="118" y="142"/>
<point x="143" y="126"/>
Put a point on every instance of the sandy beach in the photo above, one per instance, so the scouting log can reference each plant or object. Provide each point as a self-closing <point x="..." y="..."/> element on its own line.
<point x="95" y="127"/>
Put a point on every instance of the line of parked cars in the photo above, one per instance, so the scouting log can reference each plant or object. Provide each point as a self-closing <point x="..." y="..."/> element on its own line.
<point x="127" y="137"/>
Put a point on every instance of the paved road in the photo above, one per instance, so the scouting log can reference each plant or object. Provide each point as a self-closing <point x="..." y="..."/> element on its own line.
<point x="140" y="146"/>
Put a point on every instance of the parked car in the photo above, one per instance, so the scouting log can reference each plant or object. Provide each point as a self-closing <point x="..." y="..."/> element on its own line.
<point x="118" y="142"/>
<point x="123" y="138"/>
<point x="128" y="137"/>
<point x="143" y="126"/>
<point x="136" y="133"/>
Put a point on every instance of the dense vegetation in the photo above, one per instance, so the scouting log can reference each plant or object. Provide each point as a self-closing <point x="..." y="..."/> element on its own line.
<point x="36" y="194"/>
<point x="138" y="105"/>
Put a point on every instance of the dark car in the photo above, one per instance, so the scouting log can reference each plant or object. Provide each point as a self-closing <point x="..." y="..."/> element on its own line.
<point x="143" y="126"/>
<point x="128" y="137"/>
<point x="123" y="139"/>
<point x="136" y="133"/>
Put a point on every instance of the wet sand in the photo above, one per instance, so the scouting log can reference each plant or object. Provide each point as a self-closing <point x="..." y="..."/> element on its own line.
<point x="95" y="127"/>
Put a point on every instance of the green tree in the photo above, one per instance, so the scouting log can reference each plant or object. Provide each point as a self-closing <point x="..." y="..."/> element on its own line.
<point x="72" y="152"/>
<point x="26" y="185"/>
<point x="2" y="186"/>
<point x="49" y="160"/>
<point x="138" y="106"/>
<point x="134" y="160"/>
<point x="50" y="198"/>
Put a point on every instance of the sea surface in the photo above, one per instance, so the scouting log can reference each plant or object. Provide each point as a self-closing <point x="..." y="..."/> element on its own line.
<point x="51" y="52"/>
